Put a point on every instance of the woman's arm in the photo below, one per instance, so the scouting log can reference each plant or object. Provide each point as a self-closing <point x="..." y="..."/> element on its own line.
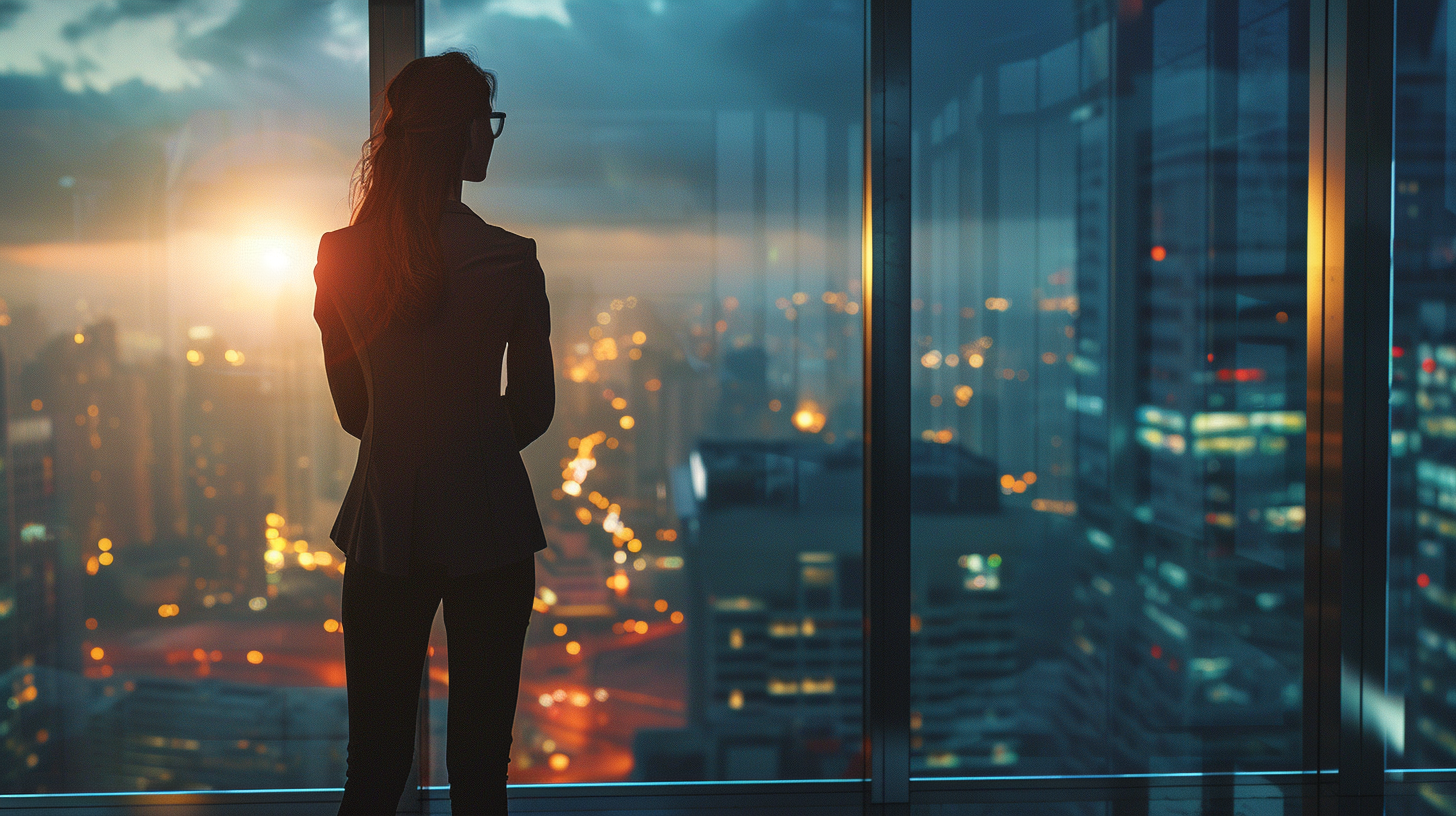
<point x="346" y="377"/>
<point x="530" y="373"/>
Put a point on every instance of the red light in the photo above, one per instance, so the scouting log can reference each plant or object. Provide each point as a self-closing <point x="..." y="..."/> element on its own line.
<point x="1159" y="253"/>
<point x="1428" y="365"/>
<point x="1210" y="356"/>
<point x="1240" y="374"/>
<point x="1397" y="351"/>
<point x="1156" y="651"/>
<point x="1423" y="580"/>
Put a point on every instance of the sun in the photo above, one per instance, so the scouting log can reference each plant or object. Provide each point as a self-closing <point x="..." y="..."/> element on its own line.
<point x="277" y="260"/>
<point x="272" y="260"/>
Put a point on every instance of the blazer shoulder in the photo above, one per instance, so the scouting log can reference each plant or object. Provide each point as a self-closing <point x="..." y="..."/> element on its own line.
<point x="470" y="240"/>
<point x="339" y="238"/>
<point x="519" y="247"/>
<point x="337" y="249"/>
<point x="520" y="243"/>
<point x="508" y="241"/>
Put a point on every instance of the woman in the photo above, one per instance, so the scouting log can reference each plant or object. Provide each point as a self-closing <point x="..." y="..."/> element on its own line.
<point x="417" y="302"/>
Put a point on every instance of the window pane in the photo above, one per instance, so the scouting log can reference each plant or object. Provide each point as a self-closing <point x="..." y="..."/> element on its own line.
<point x="168" y="593"/>
<point x="1108" y="386"/>
<point x="1423" y="359"/>
<point x="690" y="172"/>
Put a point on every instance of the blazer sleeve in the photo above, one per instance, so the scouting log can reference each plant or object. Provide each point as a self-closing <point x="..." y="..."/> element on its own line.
<point x="341" y="363"/>
<point x="530" y="373"/>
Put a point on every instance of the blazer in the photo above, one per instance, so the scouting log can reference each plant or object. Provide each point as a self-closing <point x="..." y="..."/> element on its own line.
<point x="439" y="474"/>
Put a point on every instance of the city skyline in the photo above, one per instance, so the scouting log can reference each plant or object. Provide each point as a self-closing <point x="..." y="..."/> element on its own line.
<point x="1106" y="395"/>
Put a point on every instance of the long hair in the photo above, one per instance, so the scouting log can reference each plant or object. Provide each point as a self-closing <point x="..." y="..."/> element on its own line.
<point x="410" y="166"/>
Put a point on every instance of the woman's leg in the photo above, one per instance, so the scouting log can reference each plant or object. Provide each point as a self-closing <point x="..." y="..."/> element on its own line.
<point x="485" y="622"/>
<point x="386" y="631"/>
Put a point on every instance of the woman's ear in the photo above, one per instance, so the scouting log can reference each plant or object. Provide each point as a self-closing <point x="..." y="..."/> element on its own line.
<point x="477" y="154"/>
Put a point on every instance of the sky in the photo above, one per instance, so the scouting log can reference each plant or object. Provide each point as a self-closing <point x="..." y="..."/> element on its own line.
<point x="179" y="51"/>
<point x="92" y="89"/>
<point x="226" y="123"/>
<point x="149" y="135"/>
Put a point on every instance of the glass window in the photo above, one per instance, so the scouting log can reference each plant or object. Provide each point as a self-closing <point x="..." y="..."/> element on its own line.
<point x="691" y="173"/>
<point x="1420" y="727"/>
<point x="168" y="593"/>
<point x="1108" y="387"/>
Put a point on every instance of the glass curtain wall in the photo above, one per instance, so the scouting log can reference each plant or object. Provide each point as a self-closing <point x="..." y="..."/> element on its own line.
<point x="168" y="593"/>
<point x="1420" y="732"/>
<point x="692" y="175"/>
<point x="1108" y="387"/>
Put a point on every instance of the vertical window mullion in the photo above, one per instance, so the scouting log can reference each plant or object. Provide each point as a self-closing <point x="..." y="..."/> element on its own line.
<point x="886" y="261"/>
<point x="396" y="36"/>
<point x="1369" y="80"/>
<point x="1322" y="644"/>
<point x="1352" y="69"/>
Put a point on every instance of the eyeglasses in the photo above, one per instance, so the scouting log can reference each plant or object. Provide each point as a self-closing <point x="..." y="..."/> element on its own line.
<point x="497" y="124"/>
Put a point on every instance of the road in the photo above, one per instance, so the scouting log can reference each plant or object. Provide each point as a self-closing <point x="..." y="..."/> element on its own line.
<point x="596" y="699"/>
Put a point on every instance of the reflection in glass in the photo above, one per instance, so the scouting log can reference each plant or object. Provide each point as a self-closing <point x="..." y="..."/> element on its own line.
<point x="1108" y="387"/>
<point x="1422" y="631"/>
<point x="691" y="174"/>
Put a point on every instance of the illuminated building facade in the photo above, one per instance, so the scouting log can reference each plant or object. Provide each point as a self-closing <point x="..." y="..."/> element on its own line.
<point x="29" y="614"/>
<point x="1423" y="414"/>
<point x="36" y="613"/>
<point x="1213" y="662"/>
<point x="973" y="707"/>
<point x="1184" y="546"/>
<point x="107" y="417"/>
<point x="778" y="684"/>
<point x="227" y="455"/>
<point x="1428" y="457"/>
<point x="779" y="688"/>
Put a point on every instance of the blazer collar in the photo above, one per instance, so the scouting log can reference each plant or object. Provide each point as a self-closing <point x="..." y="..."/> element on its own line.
<point x="457" y="206"/>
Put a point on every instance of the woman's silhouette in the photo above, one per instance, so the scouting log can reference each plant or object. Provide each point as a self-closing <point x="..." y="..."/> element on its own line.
<point x="418" y="300"/>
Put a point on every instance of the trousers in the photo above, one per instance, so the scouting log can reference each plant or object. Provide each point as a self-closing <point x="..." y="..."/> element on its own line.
<point x="387" y="622"/>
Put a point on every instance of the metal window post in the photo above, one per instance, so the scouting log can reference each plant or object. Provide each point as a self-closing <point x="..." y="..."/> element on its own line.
<point x="886" y="260"/>
<point x="1349" y="291"/>
<point x="396" y="36"/>
<point x="1365" y="524"/>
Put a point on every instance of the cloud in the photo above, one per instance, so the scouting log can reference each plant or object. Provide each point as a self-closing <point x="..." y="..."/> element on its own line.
<point x="9" y="10"/>
<point x="348" y="39"/>
<point x="137" y="61"/>
<point x="667" y="55"/>
<point x="553" y="10"/>
<point x="283" y="37"/>
<point x="103" y="16"/>
<point x="103" y="106"/>
<point x="111" y="44"/>
<point x="805" y="53"/>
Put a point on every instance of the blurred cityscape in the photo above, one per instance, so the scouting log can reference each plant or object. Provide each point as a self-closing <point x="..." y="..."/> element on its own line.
<point x="1107" y="399"/>
<point x="1421" y="605"/>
